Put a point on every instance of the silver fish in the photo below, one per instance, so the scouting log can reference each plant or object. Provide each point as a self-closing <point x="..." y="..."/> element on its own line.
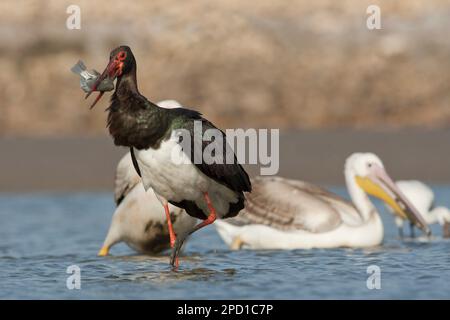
<point x="88" y="78"/>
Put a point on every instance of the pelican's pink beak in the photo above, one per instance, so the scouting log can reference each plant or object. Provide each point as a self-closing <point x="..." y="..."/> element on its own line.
<point x="380" y="176"/>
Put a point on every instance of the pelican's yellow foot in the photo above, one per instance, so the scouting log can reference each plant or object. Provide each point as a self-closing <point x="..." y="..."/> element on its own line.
<point x="237" y="243"/>
<point x="103" y="251"/>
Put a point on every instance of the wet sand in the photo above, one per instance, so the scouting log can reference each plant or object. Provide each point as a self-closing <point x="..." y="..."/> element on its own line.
<point x="88" y="163"/>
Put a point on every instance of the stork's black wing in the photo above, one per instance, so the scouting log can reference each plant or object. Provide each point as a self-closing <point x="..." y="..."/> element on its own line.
<point x="231" y="174"/>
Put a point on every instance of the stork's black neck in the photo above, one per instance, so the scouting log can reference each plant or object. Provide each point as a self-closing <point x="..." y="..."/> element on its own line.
<point x="133" y="121"/>
<point x="127" y="84"/>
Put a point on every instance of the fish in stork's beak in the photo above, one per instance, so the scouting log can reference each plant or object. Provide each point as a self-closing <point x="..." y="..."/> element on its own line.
<point x="112" y="71"/>
<point x="378" y="184"/>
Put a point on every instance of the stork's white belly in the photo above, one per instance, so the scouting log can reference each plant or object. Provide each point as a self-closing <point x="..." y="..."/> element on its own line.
<point x="174" y="181"/>
<point x="173" y="176"/>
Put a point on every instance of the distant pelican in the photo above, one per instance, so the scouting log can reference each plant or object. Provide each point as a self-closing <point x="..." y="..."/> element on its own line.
<point x="289" y="214"/>
<point x="139" y="219"/>
<point x="422" y="197"/>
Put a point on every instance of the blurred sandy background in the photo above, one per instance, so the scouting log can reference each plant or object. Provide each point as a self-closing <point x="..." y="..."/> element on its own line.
<point x="277" y="64"/>
<point x="288" y="64"/>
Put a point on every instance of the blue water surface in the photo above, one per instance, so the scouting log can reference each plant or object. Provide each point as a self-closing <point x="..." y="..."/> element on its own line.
<point x="43" y="234"/>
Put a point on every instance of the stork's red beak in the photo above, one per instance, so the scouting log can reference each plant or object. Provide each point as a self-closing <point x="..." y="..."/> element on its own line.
<point x="112" y="70"/>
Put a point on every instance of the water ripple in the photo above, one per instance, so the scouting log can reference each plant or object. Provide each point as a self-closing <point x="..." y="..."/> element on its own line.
<point x="42" y="235"/>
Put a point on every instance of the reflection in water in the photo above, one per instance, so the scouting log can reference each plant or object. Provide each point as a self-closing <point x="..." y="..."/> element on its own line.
<point x="157" y="269"/>
<point x="167" y="277"/>
<point x="196" y="274"/>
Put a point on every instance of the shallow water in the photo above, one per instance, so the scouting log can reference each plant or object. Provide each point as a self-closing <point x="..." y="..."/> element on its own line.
<point x="43" y="234"/>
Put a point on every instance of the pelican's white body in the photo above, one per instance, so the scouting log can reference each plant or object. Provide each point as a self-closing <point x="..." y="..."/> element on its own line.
<point x="422" y="197"/>
<point x="258" y="236"/>
<point x="361" y="227"/>
<point x="140" y="222"/>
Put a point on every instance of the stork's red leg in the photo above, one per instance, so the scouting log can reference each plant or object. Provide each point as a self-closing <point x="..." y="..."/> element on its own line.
<point x="172" y="235"/>
<point x="210" y="219"/>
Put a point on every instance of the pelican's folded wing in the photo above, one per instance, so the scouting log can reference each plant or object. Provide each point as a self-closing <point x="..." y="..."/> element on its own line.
<point x="293" y="205"/>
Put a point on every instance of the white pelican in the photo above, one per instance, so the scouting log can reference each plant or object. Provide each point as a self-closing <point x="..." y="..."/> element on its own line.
<point x="290" y="214"/>
<point x="422" y="197"/>
<point x="139" y="219"/>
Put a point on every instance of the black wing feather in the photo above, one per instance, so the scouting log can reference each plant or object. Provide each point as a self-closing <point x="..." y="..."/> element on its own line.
<point x="232" y="175"/>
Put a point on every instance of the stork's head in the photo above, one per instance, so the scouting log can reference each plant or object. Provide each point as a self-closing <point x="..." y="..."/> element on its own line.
<point x="370" y="175"/>
<point x="121" y="62"/>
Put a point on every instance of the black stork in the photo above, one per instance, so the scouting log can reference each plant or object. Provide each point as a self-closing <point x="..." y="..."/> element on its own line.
<point x="205" y="191"/>
<point x="139" y="219"/>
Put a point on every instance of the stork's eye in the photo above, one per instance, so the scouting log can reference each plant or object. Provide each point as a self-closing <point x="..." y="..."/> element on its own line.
<point x="122" y="55"/>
